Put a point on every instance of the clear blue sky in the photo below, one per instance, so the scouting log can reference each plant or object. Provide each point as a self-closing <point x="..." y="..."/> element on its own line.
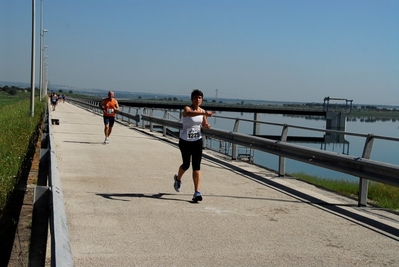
<point x="281" y="50"/>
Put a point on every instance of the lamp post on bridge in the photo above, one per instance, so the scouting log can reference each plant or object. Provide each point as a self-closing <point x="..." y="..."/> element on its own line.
<point x="41" y="75"/>
<point x="45" y="75"/>
<point x="46" y="83"/>
<point x="32" y="77"/>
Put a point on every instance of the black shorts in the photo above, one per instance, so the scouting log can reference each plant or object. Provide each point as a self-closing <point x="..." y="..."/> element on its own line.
<point x="191" y="151"/>
<point x="109" y="120"/>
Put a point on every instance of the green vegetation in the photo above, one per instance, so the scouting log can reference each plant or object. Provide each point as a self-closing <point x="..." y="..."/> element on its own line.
<point x="18" y="133"/>
<point x="382" y="195"/>
<point x="374" y="114"/>
<point x="7" y="99"/>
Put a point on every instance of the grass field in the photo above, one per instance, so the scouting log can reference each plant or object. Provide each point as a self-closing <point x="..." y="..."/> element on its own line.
<point x="18" y="130"/>
<point x="7" y="99"/>
<point x="382" y="195"/>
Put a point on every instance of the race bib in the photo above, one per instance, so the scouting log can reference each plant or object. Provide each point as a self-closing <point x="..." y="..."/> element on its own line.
<point x="193" y="133"/>
<point x="110" y="111"/>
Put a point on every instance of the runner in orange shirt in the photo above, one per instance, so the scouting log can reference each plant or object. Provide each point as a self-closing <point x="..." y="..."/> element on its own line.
<point x="109" y="106"/>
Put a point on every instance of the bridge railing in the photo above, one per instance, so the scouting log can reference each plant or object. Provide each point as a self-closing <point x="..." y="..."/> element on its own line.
<point x="362" y="167"/>
<point x="49" y="206"/>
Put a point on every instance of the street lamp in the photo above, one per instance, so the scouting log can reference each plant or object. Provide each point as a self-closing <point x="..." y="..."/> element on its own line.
<point x="46" y="84"/>
<point x="32" y="76"/>
<point x="42" y="47"/>
<point x="44" y="78"/>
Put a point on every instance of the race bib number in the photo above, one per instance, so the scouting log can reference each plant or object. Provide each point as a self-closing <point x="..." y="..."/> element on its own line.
<point x="193" y="133"/>
<point x="110" y="111"/>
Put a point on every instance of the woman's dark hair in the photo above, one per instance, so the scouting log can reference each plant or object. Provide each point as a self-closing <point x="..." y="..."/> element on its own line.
<point x="195" y="93"/>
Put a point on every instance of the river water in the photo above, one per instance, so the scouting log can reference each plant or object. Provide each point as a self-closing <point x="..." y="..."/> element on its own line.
<point x="385" y="151"/>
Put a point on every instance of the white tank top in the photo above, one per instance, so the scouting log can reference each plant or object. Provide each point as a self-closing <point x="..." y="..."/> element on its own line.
<point x="192" y="128"/>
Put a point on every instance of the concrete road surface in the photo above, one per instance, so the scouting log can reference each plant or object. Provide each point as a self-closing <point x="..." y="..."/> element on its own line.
<point x="122" y="209"/>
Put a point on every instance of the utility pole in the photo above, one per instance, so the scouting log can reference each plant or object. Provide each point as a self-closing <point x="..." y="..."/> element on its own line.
<point x="32" y="77"/>
<point x="41" y="52"/>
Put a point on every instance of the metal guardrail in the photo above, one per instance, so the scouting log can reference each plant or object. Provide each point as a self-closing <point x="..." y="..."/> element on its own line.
<point x="49" y="183"/>
<point x="93" y="106"/>
<point x="362" y="167"/>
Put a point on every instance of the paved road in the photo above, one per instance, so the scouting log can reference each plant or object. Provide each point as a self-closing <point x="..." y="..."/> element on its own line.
<point x="122" y="209"/>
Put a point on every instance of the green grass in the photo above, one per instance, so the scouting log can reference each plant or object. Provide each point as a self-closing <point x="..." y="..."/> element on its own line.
<point x="17" y="134"/>
<point x="7" y="99"/>
<point x="379" y="194"/>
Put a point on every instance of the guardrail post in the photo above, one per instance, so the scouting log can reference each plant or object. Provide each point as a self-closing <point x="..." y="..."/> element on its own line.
<point x="40" y="218"/>
<point x="234" y="146"/>
<point x="152" y="124"/>
<point x="44" y="167"/>
<point x="281" y="160"/>
<point x="256" y="127"/>
<point x="138" y="117"/>
<point x="180" y="119"/>
<point x="129" y="110"/>
<point x="364" y="183"/>
<point x="117" y="115"/>
<point x="98" y="109"/>
<point x="143" y="122"/>
<point x="165" y="116"/>
<point x="123" y="118"/>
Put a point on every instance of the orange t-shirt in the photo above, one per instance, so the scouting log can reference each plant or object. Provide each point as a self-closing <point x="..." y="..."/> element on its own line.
<point x="109" y="106"/>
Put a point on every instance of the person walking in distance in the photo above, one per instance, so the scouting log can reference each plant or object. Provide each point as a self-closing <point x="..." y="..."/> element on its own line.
<point x="54" y="100"/>
<point x="109" y="107"/>
<point x="190" y="142"/>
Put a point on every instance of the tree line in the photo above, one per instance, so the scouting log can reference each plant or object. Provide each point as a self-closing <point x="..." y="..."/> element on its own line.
<point x="13" y="90"/>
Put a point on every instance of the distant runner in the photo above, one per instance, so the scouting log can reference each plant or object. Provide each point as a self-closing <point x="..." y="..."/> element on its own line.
<point x="54" y="99"/>
<point x="109" y="107"/>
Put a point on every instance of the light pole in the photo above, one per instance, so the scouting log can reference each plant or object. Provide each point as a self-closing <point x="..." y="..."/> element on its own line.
<point x="46" y="84"/>
<point x="41" y="52"/>
<point x="44" y="74"/>
<point x="32" y="77"/>
<point x="42" y="47"/>
<point x="43" y="62"/>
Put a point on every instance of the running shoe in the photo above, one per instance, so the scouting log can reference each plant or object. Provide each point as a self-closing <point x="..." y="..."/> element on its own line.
<point x="106" y="141"/>
<point x="197" y="196"/>
<point x="177" y="184"/>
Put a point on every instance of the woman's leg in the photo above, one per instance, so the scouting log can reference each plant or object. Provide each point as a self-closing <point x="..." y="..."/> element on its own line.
<point x="197" y="180"/>
<point x="180" y="173"/>
<point x="196" y="164"/>
<point x="185" y="155"/>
